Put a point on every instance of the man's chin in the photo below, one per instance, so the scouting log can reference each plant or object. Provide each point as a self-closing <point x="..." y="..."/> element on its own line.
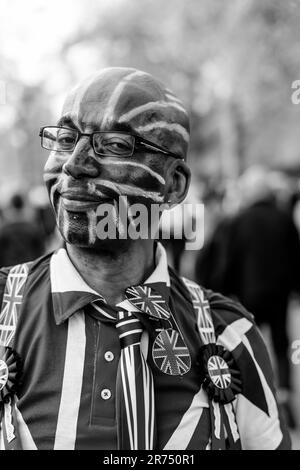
<point x="111" y="249"/>
<point x="81" y="238"/>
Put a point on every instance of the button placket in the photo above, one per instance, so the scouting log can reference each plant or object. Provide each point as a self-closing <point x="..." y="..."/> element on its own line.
<point x="105" y="372"/>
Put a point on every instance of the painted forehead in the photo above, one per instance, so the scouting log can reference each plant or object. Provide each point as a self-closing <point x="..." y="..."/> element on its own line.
<point x="133" y="99"/>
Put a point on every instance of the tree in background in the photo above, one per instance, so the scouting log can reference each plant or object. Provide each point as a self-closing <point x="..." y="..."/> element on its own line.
<point x="232" y="63"/>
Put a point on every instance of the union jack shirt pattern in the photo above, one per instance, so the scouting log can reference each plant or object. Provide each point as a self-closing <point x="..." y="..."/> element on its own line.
<point x="202" y="309"/>
<point x="12" y="300"/>
<point x="71" y="363"/>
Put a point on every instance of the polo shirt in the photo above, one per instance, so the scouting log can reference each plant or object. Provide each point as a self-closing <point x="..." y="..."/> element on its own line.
<point x="66" y="399"/>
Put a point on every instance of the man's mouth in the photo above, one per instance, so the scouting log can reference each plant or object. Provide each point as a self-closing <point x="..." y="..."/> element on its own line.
<point x="79" y="202"/>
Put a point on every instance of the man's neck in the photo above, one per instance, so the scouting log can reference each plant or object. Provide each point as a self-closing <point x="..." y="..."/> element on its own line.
<point x="110" y="275"/>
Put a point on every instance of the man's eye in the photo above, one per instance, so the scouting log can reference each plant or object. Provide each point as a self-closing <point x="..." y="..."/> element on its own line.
<point x="65" y="140"/>
<point x="118" y="147"/>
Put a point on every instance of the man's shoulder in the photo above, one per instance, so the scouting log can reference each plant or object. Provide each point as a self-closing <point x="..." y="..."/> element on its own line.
<point x="227" y="312"/>
<point x="226" y="306"/>
<point x="34" y="268"/>
<point x="224" y="310"/>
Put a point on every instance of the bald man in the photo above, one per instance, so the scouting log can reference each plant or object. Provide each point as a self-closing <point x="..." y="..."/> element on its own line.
<point x="102" y="345"/>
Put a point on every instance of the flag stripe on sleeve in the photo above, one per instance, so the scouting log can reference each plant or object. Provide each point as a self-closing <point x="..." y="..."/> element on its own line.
<point x="65" y="437"/>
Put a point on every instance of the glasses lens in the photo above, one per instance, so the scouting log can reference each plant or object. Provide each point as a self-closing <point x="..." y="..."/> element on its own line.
<point x="59" y="139"/>
<point x="113" y="144"/>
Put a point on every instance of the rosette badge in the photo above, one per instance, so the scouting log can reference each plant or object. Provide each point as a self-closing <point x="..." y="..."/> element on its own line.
<point x="10" y="371"/>
<point x="222" y="380"/>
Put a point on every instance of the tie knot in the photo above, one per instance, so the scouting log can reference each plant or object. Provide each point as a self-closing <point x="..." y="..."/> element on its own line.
<point x="129" y="329"/>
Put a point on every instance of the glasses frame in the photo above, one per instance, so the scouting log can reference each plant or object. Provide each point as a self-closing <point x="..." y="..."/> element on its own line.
<point x="137" y="140"/>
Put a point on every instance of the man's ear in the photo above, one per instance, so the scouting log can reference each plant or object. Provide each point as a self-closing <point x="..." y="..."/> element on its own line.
<point x="178" y="177"/>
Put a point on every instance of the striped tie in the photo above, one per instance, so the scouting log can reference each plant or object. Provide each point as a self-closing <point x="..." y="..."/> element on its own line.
<point x="135" y="408"/>
<point x="135" y="405"/>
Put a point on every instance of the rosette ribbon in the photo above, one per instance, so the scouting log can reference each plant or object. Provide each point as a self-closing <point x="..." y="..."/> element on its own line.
<point x="222" y="382"/>
<point x="221" y="376"/>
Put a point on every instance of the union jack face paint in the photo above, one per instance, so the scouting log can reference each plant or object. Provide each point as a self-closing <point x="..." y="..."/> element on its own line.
<point x="115" y="99"/>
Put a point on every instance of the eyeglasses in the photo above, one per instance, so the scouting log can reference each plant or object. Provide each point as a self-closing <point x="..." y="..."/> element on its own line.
<point x="106" y="143"/>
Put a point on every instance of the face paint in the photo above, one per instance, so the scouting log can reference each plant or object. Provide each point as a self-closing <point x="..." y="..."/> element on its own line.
<point x="134" y="165"/>
<point x="81" y="180"/>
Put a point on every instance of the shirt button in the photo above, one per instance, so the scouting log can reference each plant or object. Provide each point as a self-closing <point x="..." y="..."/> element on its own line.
<point x="109" y="356"/>
<point x="105" y="394"/>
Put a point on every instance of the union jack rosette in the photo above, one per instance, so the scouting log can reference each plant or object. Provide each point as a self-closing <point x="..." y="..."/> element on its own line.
<point x="222" y="380"/>
<point x="10" y="371"/>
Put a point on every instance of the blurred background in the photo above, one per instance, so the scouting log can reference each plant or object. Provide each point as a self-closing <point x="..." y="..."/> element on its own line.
<point x="233" y="64"/>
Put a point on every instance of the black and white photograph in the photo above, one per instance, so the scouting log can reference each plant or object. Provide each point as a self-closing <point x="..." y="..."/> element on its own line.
<point x="150" y="285"/>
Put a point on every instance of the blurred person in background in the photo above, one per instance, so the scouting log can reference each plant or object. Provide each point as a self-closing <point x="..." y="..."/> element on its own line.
<point x="21" y="239"/>
<point x="285" y="189"/>
<point x="257" y="260"/>
<point x="44" y="217"/>
<point x="222" y="202"/>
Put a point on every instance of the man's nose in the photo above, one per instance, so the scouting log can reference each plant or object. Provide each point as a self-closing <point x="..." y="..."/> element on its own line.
<point x="81" y="162"/>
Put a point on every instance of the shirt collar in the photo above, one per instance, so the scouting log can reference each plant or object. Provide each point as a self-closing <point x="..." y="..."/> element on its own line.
<point x="71" y="293"/>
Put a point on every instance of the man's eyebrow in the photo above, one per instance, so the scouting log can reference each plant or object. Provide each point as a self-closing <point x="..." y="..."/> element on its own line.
<point x="121" y="126"/>
<point x="66" y="121"/>
<point x="114" y="126"/>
